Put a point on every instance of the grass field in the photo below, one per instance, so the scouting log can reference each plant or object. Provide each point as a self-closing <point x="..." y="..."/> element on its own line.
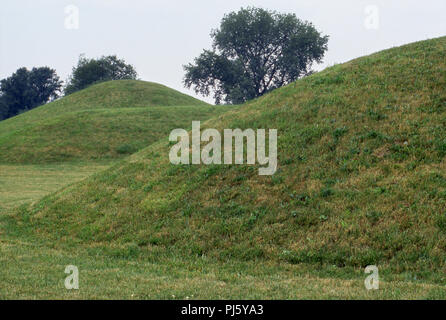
<point x="20" y="184"/>
<point x="360" y="182"/>
<point x="32" y="270"/>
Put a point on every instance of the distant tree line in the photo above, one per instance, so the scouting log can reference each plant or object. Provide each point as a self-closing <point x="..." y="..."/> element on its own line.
<point x="254" y="51"/>
<point x="26" y="89"/>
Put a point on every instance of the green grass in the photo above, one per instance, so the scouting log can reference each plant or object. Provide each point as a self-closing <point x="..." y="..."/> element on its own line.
<point x="97" y="134"/>
<point x="20" y="184"/>
<point x="65" y="141"/>
<point x="361" y="181"/>
<point x="30" y="270"/>
<point x="106" y="121"/>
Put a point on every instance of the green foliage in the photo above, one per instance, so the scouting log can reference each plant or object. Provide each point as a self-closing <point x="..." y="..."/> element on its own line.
<point x="255" y="51"/>
<point x="26" y="89"/>
<point x="4" y="108"/>
<point x="90" y="71"/>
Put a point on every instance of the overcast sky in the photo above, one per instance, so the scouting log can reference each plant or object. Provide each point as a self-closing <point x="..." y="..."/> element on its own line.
<point x="159" y="37"/>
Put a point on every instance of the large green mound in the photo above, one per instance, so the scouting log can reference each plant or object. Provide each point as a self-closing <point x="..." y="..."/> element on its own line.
<point x="361" y="178"/>
<point x="104" y="121"/>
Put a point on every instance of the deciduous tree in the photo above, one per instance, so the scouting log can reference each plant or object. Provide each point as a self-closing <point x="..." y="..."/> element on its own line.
<point x="90" y="71"/>
<point x="25" y="90"/>
<point x="255" y="51"/>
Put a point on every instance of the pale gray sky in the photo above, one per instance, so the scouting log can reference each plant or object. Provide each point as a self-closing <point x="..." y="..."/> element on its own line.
<point x="158" y="37"/>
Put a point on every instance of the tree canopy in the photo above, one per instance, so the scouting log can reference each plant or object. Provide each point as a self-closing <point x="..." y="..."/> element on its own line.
<point x="25" y="90"/>
<point x="90" y="71"/>
<point x="254" y="51"/>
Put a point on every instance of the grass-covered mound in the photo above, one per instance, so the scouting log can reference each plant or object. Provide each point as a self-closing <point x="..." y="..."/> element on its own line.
<point x="361" y="181"/>
<point x="105" y="121"/>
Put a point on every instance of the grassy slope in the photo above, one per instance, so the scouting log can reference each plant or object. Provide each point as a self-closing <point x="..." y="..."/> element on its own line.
<point x="107" y="120"/>
<point x="361" y="181"/>
<point x="65" y="141"/>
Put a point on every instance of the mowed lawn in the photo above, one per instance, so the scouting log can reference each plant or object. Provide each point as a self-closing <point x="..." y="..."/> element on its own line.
<point x="30" y="270"/>
<point x="21" y="184"/>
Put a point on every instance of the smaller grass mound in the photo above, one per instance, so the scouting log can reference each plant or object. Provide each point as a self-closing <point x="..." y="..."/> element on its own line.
<point x="95" y="134"/>
<point x="105" y="121"/>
